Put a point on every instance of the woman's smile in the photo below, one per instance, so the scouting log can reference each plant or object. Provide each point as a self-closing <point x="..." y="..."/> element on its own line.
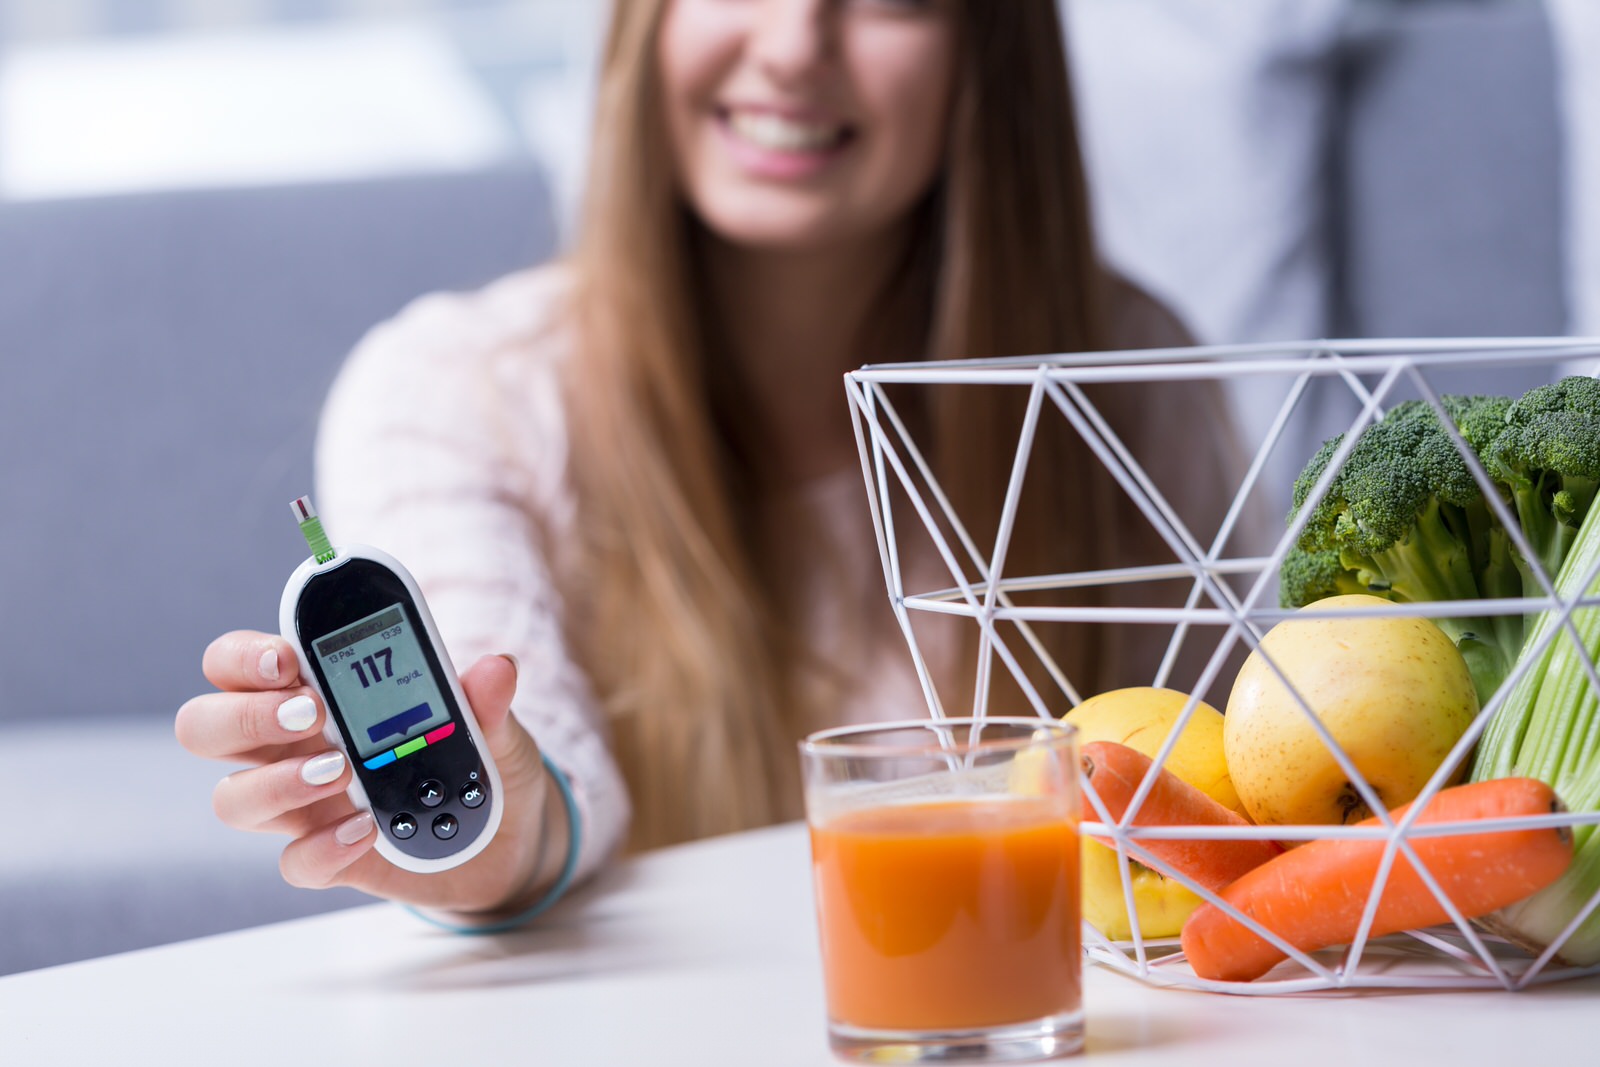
<point x="781" y="144"/>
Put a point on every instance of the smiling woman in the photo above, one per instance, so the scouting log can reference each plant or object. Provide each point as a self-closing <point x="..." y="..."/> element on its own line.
<point x="634" y="472"/>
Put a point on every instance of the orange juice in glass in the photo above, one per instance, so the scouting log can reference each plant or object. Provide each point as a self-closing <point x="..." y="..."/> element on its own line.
<point x="945" y="864"/>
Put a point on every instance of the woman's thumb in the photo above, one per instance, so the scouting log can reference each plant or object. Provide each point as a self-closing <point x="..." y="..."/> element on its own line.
<point x="490" y="685"/>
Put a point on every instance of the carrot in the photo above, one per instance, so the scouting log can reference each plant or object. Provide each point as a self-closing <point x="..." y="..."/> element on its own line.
<point x="1313" y="896"/>
<point x="1116" y="771"/>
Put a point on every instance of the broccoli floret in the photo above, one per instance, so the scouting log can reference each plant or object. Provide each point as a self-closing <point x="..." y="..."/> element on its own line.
<point x="1408" y="522"/>
<point x="1479" y="419"/>
<point x="1307" y="577"/>
<point x="1547" y="455"/>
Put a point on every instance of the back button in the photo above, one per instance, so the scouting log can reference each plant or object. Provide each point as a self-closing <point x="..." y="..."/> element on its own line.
<point x="403" y="825"/>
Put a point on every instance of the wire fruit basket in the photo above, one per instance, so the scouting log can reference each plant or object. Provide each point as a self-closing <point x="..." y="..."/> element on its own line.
<point x="1224" y="600"/>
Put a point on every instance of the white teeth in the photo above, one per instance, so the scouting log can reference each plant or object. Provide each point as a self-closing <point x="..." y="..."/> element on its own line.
<point x="766" y="130"/>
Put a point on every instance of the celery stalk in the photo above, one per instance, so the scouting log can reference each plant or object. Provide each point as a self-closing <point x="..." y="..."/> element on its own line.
<point x="1549" y="729"/>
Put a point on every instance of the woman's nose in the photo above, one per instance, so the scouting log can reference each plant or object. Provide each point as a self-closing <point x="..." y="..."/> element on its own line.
<point x="791" y="39"/>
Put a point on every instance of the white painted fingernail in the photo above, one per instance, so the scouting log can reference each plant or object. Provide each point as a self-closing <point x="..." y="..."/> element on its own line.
<point x="353" y="829"/>
<point x="268" y="666"/>
<point x="320" y="770"/>
<point x="297" y="714"/>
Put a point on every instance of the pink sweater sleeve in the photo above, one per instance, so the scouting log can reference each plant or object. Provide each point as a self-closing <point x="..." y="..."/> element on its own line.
<point x="443" y="442"/>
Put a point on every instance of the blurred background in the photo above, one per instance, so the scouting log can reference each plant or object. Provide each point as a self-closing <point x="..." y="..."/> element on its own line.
<point x="121" y="96"/>
<point x="205" y="203"/>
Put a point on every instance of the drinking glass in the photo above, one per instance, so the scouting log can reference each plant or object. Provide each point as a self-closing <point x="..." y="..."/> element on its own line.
<point x="945" y="866"/>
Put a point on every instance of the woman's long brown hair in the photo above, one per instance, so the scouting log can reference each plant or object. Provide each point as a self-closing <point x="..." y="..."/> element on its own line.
<point x="675" y="617"/>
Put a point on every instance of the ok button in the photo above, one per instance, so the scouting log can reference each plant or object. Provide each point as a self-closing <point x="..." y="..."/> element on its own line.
<point x="431" y="793"/>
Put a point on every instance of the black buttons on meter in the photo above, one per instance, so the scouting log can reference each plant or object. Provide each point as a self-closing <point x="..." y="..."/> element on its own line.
<point x="446" y="824"/>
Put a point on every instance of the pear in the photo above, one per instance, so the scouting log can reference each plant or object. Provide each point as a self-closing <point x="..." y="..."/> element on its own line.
<point x="1392" y="691"/>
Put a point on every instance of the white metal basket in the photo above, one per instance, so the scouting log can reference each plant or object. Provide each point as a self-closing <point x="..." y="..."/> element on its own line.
<point x="1230" y="598"/>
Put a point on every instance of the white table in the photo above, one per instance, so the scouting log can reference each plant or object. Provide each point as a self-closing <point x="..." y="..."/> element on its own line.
<point x="703" y="954"/>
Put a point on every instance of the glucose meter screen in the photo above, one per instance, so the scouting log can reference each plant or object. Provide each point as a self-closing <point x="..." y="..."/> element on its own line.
<point x="380" y="680"/>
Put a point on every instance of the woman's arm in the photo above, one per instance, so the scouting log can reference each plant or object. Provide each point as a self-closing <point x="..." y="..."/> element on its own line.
<point x="443" y="443"/>
<point x="1138" y="320"/>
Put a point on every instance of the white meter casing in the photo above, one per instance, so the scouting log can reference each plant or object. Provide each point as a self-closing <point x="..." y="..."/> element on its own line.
<point x="368" y="646"/>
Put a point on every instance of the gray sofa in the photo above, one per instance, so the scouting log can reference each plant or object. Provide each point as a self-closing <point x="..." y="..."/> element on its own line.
<point x="164" y="358"/>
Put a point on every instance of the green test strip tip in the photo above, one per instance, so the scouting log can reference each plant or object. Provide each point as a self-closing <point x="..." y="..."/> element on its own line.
<point x="311" y="529"/>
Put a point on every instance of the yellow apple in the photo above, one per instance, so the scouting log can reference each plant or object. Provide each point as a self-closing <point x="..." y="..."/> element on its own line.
<point x="1394" y="692"/>
<point x="1141" y="718"/>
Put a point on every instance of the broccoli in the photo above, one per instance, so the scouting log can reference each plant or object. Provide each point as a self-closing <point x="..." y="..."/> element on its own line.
<point x="1307" y="577"/>
<point x="1546" y="454"/>
<point x="1408" y="522"/>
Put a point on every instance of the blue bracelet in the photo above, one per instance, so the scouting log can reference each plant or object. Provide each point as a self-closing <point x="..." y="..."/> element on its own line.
<point x="563" y="880"/>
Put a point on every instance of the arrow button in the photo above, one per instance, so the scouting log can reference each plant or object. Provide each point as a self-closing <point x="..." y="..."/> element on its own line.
<point x="404" y="825"/>
<point x="431" y="793"/>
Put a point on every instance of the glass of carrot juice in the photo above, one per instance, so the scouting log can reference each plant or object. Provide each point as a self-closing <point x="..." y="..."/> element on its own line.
<point x="945" y="864"/>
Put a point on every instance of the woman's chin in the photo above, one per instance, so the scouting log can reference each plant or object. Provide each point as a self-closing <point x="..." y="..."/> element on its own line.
<point x="775" y="229"/>
<point x="774" y="220"/>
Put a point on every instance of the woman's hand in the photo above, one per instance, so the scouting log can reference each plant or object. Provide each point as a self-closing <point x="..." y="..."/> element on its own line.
<point x="266" y="717"/>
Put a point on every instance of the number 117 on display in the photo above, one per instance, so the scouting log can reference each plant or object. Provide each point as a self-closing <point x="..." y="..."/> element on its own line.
<point x="370" y="663"/>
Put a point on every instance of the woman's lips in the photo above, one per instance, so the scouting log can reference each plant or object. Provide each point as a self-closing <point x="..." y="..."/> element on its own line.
<point x="769" y="144"/>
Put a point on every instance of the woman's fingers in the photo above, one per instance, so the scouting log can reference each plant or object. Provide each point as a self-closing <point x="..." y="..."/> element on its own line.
<point x="299" y="787"/>
<point x="258" y="798"/>
<point x="246" y="660"/>
<point x="301" y="821"/>
<point x="320" y="859"/>
<point x="234" y="725"/>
